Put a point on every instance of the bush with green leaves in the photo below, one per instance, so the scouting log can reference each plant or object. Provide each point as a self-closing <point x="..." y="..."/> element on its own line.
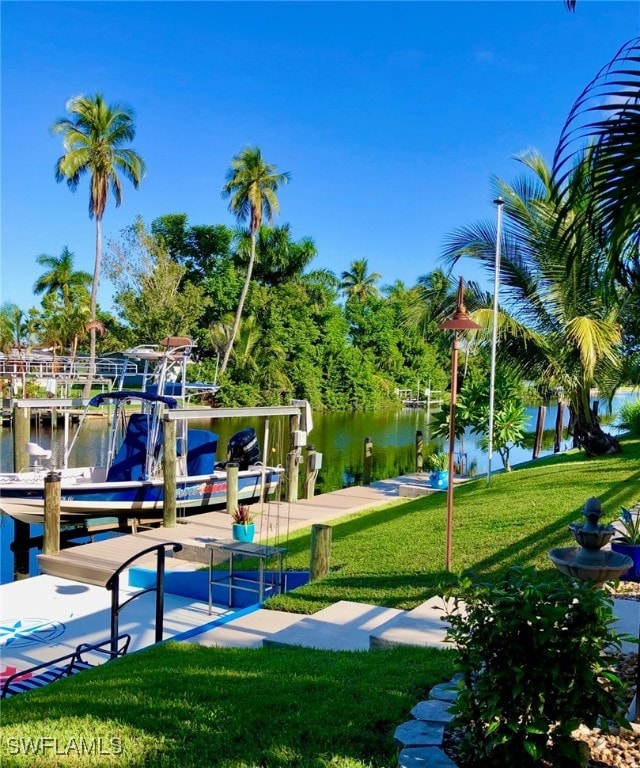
<point x="629" y="416"/>
<point x="534" y="651"/>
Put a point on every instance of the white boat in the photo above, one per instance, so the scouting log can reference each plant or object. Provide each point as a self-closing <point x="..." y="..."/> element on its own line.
<point x="130" y="484"/>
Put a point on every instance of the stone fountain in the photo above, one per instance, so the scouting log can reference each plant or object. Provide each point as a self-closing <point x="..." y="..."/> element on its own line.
<point x="589" y="562"/>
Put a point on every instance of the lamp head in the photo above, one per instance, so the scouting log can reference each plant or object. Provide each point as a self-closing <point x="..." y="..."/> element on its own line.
<point x="460" y="320"/>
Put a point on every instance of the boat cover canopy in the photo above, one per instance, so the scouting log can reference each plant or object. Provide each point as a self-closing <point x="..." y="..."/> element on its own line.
<point x="170" y="402"/>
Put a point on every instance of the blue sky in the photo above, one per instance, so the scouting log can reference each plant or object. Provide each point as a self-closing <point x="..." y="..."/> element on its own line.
<point x="390" y="117"/>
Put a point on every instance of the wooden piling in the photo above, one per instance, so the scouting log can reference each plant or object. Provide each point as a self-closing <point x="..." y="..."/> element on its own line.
<point x="21" y="435"/>
<point x="21" y="538"/>
<point x="557" y="440"/>
<point x="310" y="479"/>
<point x="232" y="486"/>
<point x="537" y="446"/>
<point x="368" y="460"/>
<point x="51" y="539"/>
<point x="419" y="456"/>
<point x="320" y="551"/>
<point x="169" y="470"/>
<point x="293" y="460"/>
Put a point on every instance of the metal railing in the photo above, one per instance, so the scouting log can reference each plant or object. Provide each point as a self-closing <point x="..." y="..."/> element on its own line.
<point x="113" y="584"/>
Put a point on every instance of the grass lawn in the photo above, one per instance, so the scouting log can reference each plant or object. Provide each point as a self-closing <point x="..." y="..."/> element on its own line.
<point x="184" y="706"/>
<point x="179" y="705"/>
<point x="395" y="556"/>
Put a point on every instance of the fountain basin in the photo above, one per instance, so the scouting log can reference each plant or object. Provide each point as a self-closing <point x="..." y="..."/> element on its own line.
<point x="592" y="538"/>
<point x="607" y="566"/>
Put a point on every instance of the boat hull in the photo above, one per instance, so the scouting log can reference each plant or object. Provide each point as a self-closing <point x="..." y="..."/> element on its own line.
<point x="24" y="500"/>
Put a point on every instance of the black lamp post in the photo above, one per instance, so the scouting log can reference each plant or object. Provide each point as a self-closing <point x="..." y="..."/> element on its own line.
<point x="460" y="321"/>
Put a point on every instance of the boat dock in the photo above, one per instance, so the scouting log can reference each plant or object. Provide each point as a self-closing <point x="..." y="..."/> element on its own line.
<point x="68" y="608"/>
<point x="95" y="562"/>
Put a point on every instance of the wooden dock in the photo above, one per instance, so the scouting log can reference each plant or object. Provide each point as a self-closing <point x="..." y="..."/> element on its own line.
<point x="94" y="563"/>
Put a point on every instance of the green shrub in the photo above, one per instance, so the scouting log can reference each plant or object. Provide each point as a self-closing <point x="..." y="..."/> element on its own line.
<point x="629" y="416"/>
<point x="532" y="655"/>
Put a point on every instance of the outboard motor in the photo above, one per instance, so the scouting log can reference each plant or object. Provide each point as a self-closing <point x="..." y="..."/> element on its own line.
<point x="243" y="447"/>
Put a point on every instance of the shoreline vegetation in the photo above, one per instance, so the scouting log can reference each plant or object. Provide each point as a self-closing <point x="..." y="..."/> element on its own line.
<point x="185" y="706"/>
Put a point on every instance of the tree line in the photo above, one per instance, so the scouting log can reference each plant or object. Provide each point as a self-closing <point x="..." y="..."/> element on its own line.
<point x="269" y="327"/>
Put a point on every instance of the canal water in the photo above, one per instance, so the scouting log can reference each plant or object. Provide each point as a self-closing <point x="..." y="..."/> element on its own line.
<point x="338" y="436"/>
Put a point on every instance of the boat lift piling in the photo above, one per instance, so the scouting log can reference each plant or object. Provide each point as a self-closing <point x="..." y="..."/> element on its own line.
<point x="21" y="435"/>
<point x="293" y="458"/>
<point x="232" y="486"/>
<point x="312" y="473"/>
<point x="169" y="461"/>
<point x="51" y="538"/>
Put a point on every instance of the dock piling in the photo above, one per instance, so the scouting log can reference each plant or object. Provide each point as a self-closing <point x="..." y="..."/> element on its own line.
<point x="21" y="435"/>
<point x="51" y="539"/>
<point x="232" y="486"/>
<point x="293" y="460"/>
<point x="310" y="479"/>
<point x="169" y="461"/>
<point x="320" y="551"/>
<point x="20" y="547"/>
<point x="368" y="460"/>
<point x="419" y="456"/>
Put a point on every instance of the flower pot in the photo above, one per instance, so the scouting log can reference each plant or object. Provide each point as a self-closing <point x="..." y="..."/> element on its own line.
<point x="439" y="479"/>
<point x="242" y="532"/>
<point x="632" y="551"/>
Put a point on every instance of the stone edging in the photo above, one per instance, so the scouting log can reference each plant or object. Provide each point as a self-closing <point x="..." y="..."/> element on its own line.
<point x="421" y="738"/>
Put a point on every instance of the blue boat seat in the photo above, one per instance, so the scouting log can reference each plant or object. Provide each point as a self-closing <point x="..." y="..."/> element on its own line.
<point x="201" y="451"/>
<point x="129" y="462"/>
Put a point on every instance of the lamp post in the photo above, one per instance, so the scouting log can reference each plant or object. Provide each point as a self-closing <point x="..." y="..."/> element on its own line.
<point x="494" y="337"/>
<point x="460" y="321"/>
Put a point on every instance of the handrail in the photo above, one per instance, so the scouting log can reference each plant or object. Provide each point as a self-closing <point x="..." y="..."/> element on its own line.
<point x="73" y="658"/>
<point x="113" y="585"/>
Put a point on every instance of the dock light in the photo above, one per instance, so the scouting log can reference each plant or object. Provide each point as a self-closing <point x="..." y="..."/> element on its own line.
<point x="460" y="321"/>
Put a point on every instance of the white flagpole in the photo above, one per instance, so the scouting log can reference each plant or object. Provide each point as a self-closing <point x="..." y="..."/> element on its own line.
<point x="494" y="335"/>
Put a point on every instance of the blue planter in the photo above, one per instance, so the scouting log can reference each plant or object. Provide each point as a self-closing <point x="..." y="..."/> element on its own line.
<point x="241" y="532"/>
<point x="439" y="479"/>
<point x="632" y="551"/>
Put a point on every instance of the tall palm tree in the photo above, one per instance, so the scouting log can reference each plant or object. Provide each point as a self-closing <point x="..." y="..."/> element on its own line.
<point x="251" y="186"/>
<point x="359" y="283"/>
<point x="61" y="279"/>
<point x="573" y="330"/>
<point x="95" y="135"/>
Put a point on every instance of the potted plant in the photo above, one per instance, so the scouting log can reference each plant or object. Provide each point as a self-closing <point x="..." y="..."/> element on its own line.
<point x="628" y="542"/>
<point x="438" y="462"/>
<point x="242" y="528"/>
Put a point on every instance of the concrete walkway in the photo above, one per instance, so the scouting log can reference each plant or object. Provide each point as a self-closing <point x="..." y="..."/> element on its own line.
<point x="354" y="626"/>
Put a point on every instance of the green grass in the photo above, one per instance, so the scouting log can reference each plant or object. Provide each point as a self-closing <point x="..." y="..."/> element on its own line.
<point x="184" y="706"/>
<point x="395" y="556"/>
<point x="178" y="705"/>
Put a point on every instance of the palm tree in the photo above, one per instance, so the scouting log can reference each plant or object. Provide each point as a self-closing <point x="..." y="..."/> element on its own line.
<point x="61" y="279"/>
<point x="251" y="187"/>
<point x="607" y="116"/>
<point x="572" y="321"/>
<point x="95" y="135"/>
<point x="14" y="327"/>
<point x="433" y="301"/>
<point x="358" y="283"/>
<point x="278" y="257"/>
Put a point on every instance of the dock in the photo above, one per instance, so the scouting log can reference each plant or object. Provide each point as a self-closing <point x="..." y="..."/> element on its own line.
<point x="94" y="563"/>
